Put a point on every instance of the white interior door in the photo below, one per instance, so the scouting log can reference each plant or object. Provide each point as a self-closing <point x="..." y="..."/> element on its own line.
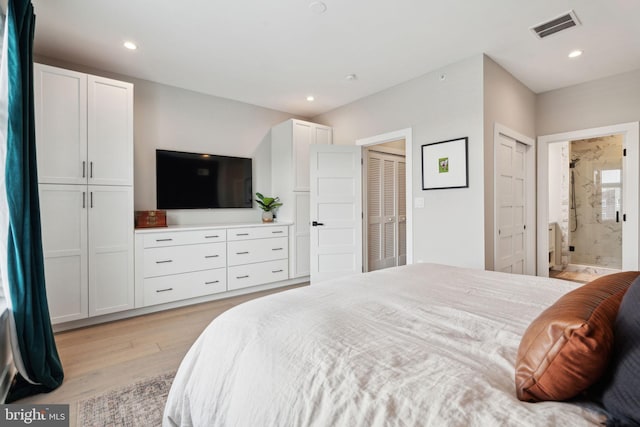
<point x="511" y="206"/>
<point x="336" y="211"/>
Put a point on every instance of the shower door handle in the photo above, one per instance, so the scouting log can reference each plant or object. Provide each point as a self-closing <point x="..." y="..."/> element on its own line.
<point x="617" y="216"/>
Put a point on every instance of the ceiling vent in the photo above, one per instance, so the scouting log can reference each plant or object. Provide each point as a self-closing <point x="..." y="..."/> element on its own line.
<point x="563" y="22"/>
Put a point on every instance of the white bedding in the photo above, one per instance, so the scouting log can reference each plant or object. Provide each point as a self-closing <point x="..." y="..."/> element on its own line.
<point x="421" y="345"/>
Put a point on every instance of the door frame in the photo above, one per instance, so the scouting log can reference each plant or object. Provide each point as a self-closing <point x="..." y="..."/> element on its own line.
<point x="407" y="135"/>
<point x="530" y="195"/>
<point x="631" y="164"/>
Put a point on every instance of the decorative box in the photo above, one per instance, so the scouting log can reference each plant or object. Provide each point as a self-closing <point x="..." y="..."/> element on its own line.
<point x="148" y="219"/>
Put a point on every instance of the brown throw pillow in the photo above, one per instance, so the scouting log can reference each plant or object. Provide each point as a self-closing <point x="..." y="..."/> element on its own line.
<point x="567" y="348"/>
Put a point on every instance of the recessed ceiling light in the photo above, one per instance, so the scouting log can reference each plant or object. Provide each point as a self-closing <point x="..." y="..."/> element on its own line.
<point x="310" y="98"/>
<point x="575" y="53"/>
<point x="318" y="7"/>
<point x="351" y="77"/>
<point x="130" y="45"/>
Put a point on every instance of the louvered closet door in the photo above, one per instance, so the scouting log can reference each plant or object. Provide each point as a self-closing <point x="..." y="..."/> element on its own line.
<point x="386" y="227"/>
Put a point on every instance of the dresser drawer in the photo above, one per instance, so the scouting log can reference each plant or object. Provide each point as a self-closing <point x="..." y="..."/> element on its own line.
<point x="252" y="251"/>
<point x="171" y="238"/>
<point x="182" y="259"/>
<point x="257" y="232"/>
<point x="158" y="290"/>
<point x="243" y="276"/>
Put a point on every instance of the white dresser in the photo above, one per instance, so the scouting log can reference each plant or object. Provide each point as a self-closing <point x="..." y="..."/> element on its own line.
<point x="180" y="263"/>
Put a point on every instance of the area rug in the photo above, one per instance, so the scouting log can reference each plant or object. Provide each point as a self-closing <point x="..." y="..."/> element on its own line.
<point x="139" y="404"/>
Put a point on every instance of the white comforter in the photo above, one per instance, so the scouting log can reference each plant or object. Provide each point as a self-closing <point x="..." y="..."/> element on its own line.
<point x="421" y="345"/>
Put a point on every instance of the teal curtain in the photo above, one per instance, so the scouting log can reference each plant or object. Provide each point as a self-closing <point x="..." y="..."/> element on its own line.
<point x="34" y="348"/>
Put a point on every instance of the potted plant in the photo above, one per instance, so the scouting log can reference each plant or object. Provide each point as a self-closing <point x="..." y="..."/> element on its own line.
<point x="268" y="205"/>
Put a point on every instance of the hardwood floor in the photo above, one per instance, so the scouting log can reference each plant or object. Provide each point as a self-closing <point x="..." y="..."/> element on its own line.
<point x="102" y="357"/>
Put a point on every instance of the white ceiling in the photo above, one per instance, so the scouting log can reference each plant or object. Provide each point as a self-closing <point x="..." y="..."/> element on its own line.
<point x="275" y="53"/>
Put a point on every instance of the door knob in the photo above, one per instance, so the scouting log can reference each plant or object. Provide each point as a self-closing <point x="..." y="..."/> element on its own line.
<point x="316" y="223"/>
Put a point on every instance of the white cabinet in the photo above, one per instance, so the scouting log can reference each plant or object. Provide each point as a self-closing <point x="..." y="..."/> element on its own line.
<point x="84" y="136"/>
<point x="87" y="241"/>
<point x="177" y="264"/>
<point x="84" y="128"/>
<point x="290" y="142"/>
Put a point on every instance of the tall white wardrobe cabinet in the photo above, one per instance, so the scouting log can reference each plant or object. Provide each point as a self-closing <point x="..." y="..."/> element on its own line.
<point x="84" y="143"/>
<point x="290" y="143"/>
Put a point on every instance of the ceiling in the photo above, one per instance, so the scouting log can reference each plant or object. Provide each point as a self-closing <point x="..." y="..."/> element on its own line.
<point x="275" y="53"/>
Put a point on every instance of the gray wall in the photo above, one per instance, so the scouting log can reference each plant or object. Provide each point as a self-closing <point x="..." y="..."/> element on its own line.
<point x="450" y="229"/>
<point x="172" y="118"/>
<point x="608" y="101"/>
<point x="509" y="103"/>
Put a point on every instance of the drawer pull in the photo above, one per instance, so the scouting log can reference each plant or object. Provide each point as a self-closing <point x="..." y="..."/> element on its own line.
<point x="242" y="253"/>
<point x="277" y="249"/>
<point x="211" y="283"/>
<point x="277" y="271"/>
<point x="211" y="256"/>
<point x="164" y="261"/>
<point x="242" y="234"/>
<point x="164" y="240"/>
<point x="242" y="277"/>
<point x="164" y="290"/>
<point x="211" y="237"/>
<point x="277" y="232"/>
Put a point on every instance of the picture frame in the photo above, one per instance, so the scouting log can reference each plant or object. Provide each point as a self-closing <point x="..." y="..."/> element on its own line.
<point x="445" y="164"/>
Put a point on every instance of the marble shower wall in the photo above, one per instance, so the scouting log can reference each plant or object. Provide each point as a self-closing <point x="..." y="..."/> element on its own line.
<point x="597" y="239"/>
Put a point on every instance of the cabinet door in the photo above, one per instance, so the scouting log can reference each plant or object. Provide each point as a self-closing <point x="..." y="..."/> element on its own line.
<point x="300" y="254"/>
<point x="110" y="249"/>
<point x="302" y="138"/>
<point x="110" y="131"/>
<point x="322" y="135"/>
<point x="64" y="240"/>
<point x="60" y="99"/>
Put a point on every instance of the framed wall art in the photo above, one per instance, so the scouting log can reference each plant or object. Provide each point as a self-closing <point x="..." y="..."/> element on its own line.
<point x="445" y="164"/>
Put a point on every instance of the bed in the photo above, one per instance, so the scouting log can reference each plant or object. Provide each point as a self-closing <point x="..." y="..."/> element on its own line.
<point x="425" y="344"/>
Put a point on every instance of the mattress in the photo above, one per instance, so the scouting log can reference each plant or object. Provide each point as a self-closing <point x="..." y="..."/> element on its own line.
<point x="419" y="345"/>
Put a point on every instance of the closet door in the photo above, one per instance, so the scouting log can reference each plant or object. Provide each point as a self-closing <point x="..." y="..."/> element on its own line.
<point x="64" y="239"/>
<point x="60" y="100"/>
<point x="110" y="249"/>
<point x="110" y="130"/>
<point x="386" y="211"/>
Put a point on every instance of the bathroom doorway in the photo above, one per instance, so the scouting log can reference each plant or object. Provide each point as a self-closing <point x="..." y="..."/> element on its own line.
<point x="586" y="206"/>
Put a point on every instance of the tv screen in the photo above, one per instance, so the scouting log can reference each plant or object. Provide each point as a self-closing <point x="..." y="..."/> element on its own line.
<point x="202" y="181"/>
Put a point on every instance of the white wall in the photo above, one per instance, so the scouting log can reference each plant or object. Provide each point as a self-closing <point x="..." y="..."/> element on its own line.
<point x="608" y="101"/>
<point x="450" y="229"/>
<point x="176" y="119"/>
<point x="511" y="104"/>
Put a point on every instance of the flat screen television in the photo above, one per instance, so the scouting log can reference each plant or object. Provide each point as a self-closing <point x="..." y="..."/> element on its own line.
<point x="202" y="181"/>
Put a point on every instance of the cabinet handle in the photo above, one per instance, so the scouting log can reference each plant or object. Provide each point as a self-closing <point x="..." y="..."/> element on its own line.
<point x="164" y="261"/>
<point x="277" y="232"/>
<point x="277" y="271"/>
<point x="211" y="256"/>
<point x="164" y="240"/>
<point x="84" y="199"/>
<point x="84" y="168"/>
<point x="164" y="290"/>
<point x="211" y="283"/>
<point x="91" y="203"/>
<point x="90" y="169"/>
<point x="242" y="253"/>
<point x="277" y="249"/>
<point x="242" y="277"/>
<point x="211" y="237"/>
<point x="242" y="234"/>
